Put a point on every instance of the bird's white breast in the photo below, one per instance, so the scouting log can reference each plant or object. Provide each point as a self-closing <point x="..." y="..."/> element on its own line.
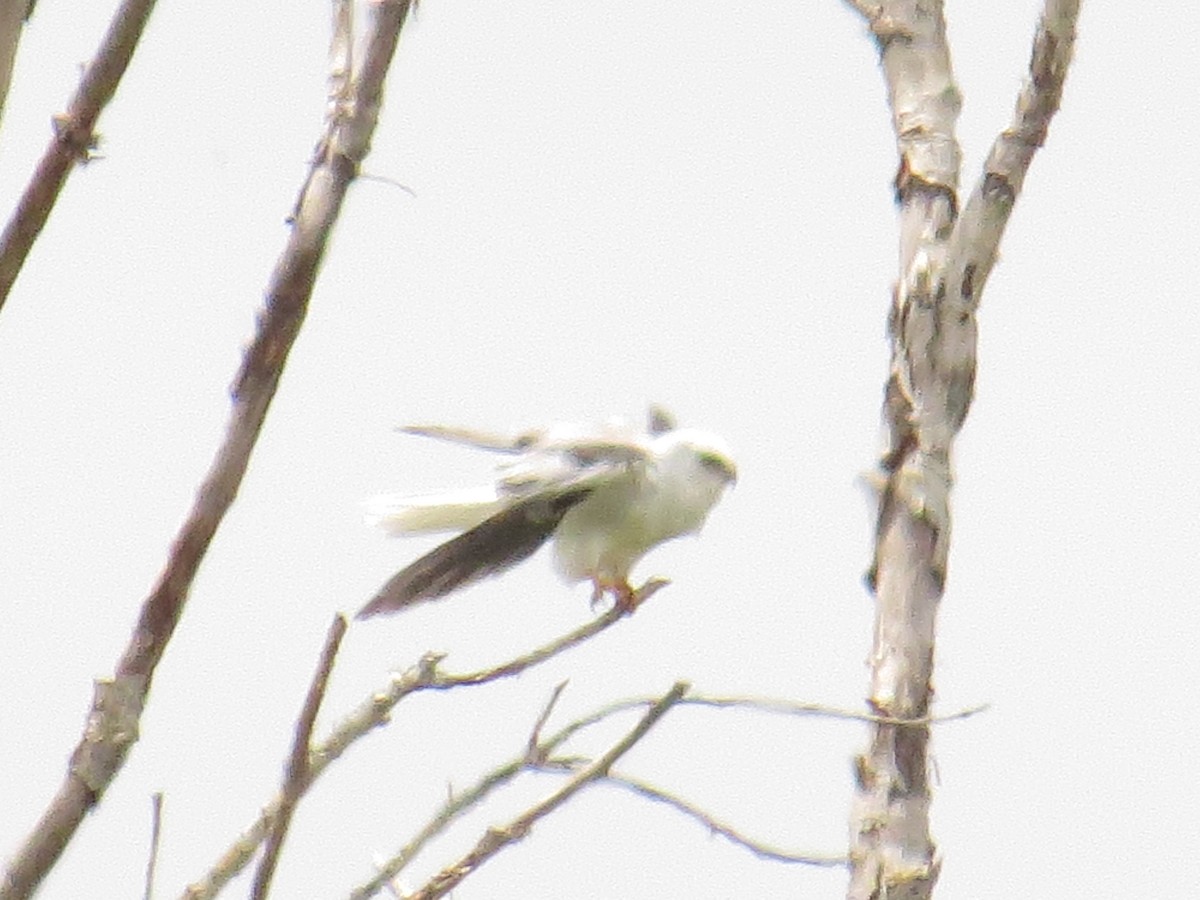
<point x="668" y="496"/>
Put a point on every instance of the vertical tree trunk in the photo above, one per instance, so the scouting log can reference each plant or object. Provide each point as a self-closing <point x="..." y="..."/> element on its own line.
<point x="945" y="259"/>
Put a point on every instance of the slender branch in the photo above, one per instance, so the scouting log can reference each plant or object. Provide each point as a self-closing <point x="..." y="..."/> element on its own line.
<point x="533" y="658"/>
<point x="496" y="839"/>
<point x="771" y="705"/>
<point x="537" y="758"/>
<point x="975" y="243"/>
<point x="374" y="712"/>
<point x="74" y="138"/>
<point x="156" y="805"/>
<point x="426" y="676"/>
<point x="533" y="748"/>
<point x="298" y="772"/>
<point x="112" y="725"/>
<point x="457" y="804"/>
<point x="13" y="16"/>
<point x="716" y="826"/>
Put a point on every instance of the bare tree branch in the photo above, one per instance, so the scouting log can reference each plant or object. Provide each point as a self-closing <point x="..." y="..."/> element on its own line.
<point x="74" y="138"/>
<point x="459" y="803"/>
<point x="13" y="16"/>
<point x="533" y="749"/>
<point x="763" y="851"/>
<point x="298" y="772"/>
<point x="976" y="239"/>
<point x="537" y="758"/>
<point x="426" y="675"/>
<point x="374" y="712"/>
<point x="944" y="262"/>
<point x="112" y="725"/>
<point x="156" y="805"/>
<point x="771" y="705"/>
<point x="496" y="839"/>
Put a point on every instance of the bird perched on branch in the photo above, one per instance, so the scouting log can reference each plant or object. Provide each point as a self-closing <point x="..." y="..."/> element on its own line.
<point x="605" y="494"/>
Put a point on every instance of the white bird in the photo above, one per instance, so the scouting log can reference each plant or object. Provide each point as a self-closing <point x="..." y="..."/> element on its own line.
<point x="606" y="495"/>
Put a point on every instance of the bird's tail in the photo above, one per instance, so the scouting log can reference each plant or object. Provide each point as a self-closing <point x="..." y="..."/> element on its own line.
<point x="453" y="511"/>
<point x="495" y="544"/>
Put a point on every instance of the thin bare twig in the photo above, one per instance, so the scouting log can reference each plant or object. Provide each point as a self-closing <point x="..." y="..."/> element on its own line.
<point x="374" y="712"/>
<point x="533" y="752"/>
<point x="298" y="774"/>
<point x="458" y="803"/>
<point x="496" y="839"/>
<point x="716" y="826"/>
<point x="771" y="705"/>
<point x="74" y="138"/>
<point x="426" y="676"/>
<point x="156" y="805"/>
<point x="537" y="758"/>
<point x="541" y="654"/>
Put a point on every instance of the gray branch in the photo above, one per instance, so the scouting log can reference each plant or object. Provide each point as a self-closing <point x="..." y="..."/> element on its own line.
<point x="945" y="259"/>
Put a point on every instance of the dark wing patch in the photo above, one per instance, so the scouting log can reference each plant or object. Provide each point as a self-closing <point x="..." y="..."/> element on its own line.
<point x="489" y="548"/>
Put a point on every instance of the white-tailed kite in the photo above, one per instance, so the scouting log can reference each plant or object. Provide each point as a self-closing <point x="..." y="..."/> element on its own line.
<point x="605" y="494"/>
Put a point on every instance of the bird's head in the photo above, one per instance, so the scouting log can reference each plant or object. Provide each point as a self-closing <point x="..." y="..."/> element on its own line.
<point x="700" y="459"/>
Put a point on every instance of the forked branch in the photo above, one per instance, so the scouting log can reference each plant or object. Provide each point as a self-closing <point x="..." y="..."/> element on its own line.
<point x="945" y="259"/>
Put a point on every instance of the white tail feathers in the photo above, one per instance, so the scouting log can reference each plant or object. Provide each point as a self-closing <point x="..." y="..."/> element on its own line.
<point x="453" y="511"/>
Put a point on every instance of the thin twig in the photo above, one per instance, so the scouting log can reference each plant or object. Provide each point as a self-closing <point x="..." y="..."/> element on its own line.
<point x="156" y="805"/>
<point x="297" y="777"/>
<point x="533" y="753"/>
<point x="73" y="140"/>
<point x="716" y="826"/>
<point x="781" y="707"/>
<point x="374" y="712"/>
<point x="458" y="804"/>
<point x="541" y="654"/>
<point x="496" y="839"/>
<point x="538" y="758"/>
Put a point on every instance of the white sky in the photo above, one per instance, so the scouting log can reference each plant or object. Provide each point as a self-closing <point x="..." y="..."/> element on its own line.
<point x="616" y="203"/>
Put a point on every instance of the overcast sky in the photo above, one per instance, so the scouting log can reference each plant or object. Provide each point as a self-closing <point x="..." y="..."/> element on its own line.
<point x="685" y="203"/>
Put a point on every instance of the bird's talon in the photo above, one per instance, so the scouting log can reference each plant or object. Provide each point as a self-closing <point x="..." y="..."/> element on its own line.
<point x="628" y="598"/>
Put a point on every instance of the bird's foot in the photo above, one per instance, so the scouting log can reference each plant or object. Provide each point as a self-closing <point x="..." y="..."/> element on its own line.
<point x="599" y="588"/>
<point x="626" y="597"/>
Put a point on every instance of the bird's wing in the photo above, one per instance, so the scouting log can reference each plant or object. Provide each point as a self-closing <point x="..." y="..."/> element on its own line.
<point x="541" y="487"/>
<point x="484" y="440"/>
<point x="561" y="461"/>
<point x="511" y="535"/>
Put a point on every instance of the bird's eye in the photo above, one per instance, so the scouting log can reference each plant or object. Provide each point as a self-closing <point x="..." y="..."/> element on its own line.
<point x="718" y="465"/>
